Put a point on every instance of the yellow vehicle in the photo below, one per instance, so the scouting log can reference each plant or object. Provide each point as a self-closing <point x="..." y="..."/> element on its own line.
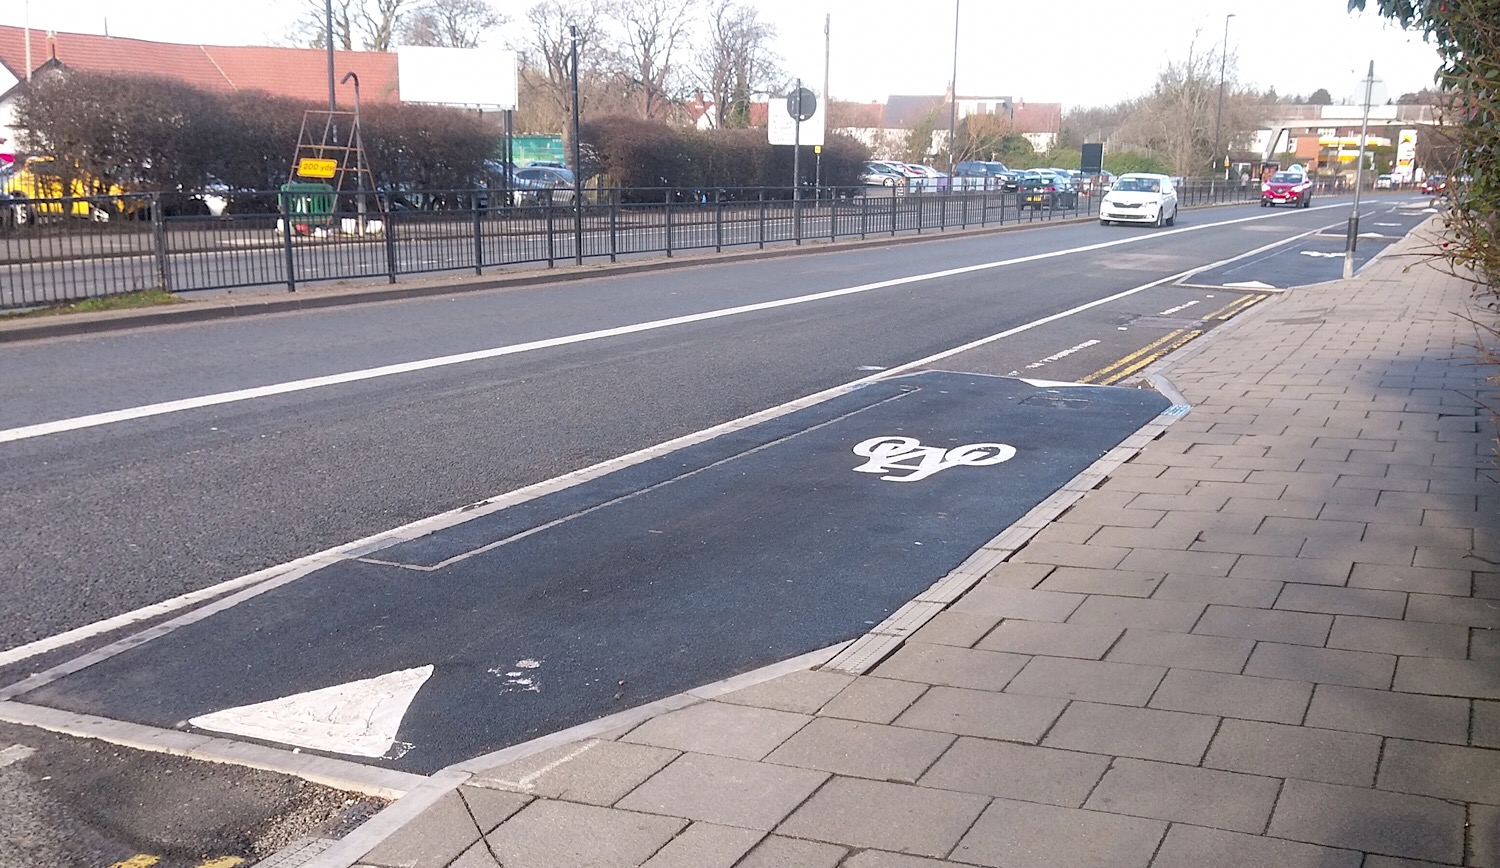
<point x="40" y="178"/>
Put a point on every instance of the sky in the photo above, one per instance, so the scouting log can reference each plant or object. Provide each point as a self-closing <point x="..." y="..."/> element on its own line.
<point x="1088" y="53"/>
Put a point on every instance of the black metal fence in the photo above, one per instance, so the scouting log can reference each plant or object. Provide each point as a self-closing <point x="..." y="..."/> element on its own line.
<point x="62" y="250"/>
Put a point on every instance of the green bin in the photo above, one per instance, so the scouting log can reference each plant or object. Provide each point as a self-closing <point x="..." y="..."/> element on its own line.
<point x="307" y="200"/>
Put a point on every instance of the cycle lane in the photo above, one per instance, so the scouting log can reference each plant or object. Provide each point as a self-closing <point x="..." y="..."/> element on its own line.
<point x="762" y="543"/>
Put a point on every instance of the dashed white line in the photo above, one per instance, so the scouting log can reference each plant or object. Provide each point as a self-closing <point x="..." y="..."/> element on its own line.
<point x="1062" y="355"/>
<point x="1181" y="307"/>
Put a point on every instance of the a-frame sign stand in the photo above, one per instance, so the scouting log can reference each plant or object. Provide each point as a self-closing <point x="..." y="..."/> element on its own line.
<point x="331" y="151"/>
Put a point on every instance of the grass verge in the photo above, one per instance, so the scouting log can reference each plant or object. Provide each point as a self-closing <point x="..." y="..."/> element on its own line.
<point x="123" y="301"/>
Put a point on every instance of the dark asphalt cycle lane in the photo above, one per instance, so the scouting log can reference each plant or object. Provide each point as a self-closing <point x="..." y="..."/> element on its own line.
<point x="758" y="545"/>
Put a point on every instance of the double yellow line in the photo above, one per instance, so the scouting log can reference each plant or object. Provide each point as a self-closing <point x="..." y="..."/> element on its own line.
<point x="1122" y="368"/>
<point x="146" y="861"/>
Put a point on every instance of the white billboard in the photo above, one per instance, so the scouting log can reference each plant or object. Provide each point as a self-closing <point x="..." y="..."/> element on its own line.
<point x="781" y="128"/>
<point x="484" y="77"/>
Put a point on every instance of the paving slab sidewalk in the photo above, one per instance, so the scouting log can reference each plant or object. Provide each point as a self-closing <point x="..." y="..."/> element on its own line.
<point x="1297" y="663"/>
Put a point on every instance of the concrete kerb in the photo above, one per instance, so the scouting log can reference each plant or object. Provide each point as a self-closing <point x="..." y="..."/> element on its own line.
<point x="266" y="300"/>
<point x="349" y="850"/>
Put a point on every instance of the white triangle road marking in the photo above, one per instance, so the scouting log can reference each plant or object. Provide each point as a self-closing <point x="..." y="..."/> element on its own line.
<point x="360" y="718"/>
<point x="1248" y="284"/>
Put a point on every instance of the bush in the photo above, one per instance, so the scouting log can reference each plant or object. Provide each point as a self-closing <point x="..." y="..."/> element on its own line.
<point x="148" y="133"/>
<point x="639" y="153"/>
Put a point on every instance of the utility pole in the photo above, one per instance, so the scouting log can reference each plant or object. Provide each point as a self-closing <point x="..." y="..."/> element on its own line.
<point x="1219" y="117"/>
<point x="953" y="95"/>
<point x="328" y="19"/>
<point x="28" y="39"/>
<point x="1359" y="177"/>
<point x="818" y="168"/>
<point x="577" y="162"/>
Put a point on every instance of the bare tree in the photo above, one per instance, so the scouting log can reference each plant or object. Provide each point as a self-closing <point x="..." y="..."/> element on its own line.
<point x="450" y="23"/>
<point x="1176" y="120"/>
<point x="653" y="31"/>
<point x="736" y="62"/>
<point x="369" y="25"/>
<point x="546" y="75"/>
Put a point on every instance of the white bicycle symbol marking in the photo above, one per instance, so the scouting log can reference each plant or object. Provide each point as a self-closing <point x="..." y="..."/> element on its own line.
<point x="891" y="453"/>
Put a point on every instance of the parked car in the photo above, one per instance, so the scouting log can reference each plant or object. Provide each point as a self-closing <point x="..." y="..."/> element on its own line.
<point x="978" y="174"/>
<point x="1045" y="190"/>
<point x="931" y="179"/>
<point x="12" y="211"/>
<point x="1098" y="184"/>
<point x="877" y="174"/>
<point x="905" y="169"/>
<point x="1290" y="187"/>
<point x="1385" y="182"/>
<point x="541" y="185"/>
<point x="1140" y="197"/>
<point x="1009" y="180"/>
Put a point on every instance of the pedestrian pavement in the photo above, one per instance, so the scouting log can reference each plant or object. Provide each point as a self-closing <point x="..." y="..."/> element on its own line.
<point x="1270" y="638"/>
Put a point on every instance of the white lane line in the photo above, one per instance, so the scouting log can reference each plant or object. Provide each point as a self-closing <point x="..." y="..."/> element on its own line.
<point x="1062" y="354"/>
<point x="14" y="754"/>
<point x="253" y="584"/>
<point x="110" y="417"/>
<point x="1181" y="307"/>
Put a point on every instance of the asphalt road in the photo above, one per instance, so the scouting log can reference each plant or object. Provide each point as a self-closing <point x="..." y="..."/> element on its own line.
<point x="114" y="513"/>
<point x="116" y="516"/>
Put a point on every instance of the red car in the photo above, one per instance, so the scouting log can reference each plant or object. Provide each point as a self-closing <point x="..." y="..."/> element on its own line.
<point x="1287" y="188"/>
<point x="1435" y="185"/>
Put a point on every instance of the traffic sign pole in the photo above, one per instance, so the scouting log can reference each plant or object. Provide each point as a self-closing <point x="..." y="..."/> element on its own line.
<point x="795" y="107"/>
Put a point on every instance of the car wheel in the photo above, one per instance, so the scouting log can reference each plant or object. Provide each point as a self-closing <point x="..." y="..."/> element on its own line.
<point x="889" y="182"/>
<point x="1161" y="218"/>
<point x="1307" y="201"/>
<point x="1103" y="222"/>
<point x="1172" y="221"/>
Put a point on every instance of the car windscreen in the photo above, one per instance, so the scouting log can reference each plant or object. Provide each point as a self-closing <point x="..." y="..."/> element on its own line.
<point x="1287" y="178"/>
<point x="1137" y="185"/>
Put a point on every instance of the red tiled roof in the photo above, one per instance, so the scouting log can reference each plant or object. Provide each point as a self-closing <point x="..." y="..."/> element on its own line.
<point x="300" y="73"/>
<point x="868" y="115"/>
<point x="303" y="72"/>
<point x="1038" y="117"/>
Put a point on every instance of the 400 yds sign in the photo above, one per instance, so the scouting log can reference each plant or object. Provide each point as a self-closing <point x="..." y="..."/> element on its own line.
<point x="905" y="459"/>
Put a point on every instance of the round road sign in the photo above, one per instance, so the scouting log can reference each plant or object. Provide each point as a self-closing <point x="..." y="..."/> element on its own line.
<point x="801" y="104"/>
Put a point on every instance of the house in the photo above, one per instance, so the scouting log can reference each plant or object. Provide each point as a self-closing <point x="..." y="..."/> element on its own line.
<point x="298" y="73"/>
<point x="1040" y="123"/>
<point x="700" y="111"/>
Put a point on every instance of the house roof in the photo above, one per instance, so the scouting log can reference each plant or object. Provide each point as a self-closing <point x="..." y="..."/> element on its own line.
<point x="299" y="73"/>
<point x="859" y="115"/>
<point x="1038" y="117"/>
<point x="906" y="112"/>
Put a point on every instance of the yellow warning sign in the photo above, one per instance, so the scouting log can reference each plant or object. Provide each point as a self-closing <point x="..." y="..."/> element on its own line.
<point x="311" y="167"/>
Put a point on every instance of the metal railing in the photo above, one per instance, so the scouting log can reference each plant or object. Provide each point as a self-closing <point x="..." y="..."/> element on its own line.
<point x="62" y="250"/>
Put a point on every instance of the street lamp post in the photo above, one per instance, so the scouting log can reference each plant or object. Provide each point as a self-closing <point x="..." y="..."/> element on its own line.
<point x="359" y="152"/>
<point x="1359" y="178"/>
<point x="1219" y="117"/>
<point x="953" y="97"/>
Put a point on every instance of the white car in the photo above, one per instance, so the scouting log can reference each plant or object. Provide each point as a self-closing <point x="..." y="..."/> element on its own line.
<point x="1140" y="197"/>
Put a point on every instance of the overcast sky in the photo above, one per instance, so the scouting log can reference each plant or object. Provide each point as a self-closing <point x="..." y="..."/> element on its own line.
<point x="1082" y="53"/>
